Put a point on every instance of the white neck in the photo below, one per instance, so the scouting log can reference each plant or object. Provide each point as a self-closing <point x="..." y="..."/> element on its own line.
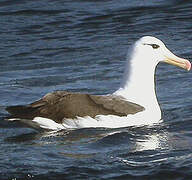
<point x="138" y="84"/>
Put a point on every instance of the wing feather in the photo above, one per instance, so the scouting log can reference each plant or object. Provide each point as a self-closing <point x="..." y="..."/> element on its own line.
<point x="61" y="105"/>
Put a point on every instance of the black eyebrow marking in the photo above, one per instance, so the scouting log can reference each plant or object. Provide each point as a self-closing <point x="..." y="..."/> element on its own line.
<point x="154" y="46"/>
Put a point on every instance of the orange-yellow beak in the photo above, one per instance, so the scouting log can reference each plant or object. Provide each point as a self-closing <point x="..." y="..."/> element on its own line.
<point x="170" y="58"/>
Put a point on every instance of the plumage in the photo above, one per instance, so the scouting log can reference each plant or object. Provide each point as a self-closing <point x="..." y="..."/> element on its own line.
<point x="133" y="103"/>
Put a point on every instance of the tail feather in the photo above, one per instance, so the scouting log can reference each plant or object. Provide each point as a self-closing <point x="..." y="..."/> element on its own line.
<point x="25" y="112"/>
<point x="28" y="116"/>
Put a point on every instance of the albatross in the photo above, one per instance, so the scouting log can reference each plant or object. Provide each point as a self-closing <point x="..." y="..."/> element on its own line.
<point x="134" y="103"/>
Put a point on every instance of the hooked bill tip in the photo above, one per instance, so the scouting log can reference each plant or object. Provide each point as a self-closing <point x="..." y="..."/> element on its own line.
<point x="188" y="65"/>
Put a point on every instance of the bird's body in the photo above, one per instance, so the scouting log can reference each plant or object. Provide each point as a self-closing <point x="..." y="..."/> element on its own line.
<point x="134" y="103"/>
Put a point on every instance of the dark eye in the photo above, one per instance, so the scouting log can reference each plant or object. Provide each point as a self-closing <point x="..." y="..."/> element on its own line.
<point x="155" y="46"/>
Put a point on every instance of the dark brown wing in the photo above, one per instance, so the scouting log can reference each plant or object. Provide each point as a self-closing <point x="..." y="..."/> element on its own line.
<point x="62" y="104"/>
<point x="117" y="104"/>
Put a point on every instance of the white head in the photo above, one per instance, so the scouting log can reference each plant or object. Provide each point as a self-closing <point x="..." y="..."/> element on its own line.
<point x="154" y="51"/>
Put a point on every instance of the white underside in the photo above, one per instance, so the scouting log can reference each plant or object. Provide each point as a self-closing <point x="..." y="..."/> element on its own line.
<point x="112" y="121"/>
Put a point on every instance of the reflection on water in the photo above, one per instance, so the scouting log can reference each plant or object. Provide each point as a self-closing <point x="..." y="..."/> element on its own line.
<point x="141" y="147"/>
<point x="150" y="142"/>
<point x="141" y="139"/>
<point x="168" y="147"/>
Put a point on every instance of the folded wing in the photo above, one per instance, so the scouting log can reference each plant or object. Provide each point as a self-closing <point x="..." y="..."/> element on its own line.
<point x="61" y="105"/>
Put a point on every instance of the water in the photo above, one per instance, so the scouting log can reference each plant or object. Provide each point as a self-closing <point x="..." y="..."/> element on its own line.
<point x="81" y="46"/>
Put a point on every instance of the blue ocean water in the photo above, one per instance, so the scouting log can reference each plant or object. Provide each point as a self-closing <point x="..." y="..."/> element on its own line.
<point x="81" y="46"/>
